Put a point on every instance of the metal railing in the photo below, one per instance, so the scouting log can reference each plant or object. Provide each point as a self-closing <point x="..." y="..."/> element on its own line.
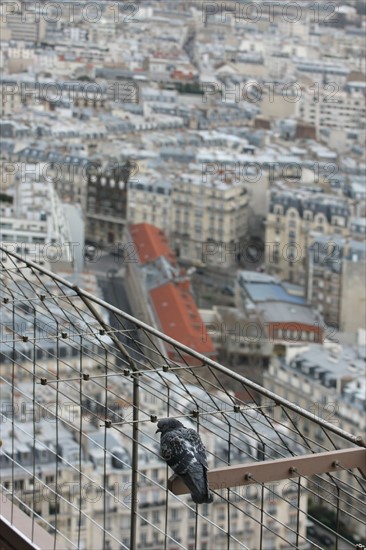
<point x="82" y="386"/>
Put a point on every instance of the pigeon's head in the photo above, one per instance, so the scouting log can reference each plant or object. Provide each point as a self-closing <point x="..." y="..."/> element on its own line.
<point x="167" y="424"/>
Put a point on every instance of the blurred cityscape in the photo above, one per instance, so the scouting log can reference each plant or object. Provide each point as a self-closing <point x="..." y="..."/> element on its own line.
<point x="200" y="166"/>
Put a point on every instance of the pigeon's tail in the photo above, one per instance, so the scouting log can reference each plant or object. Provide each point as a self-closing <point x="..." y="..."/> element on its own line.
<point x="198" y="486"/>
<point x="202" y="499"/>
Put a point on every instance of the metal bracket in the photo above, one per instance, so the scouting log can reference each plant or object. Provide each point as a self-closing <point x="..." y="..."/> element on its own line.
<point x="276" y="470"/>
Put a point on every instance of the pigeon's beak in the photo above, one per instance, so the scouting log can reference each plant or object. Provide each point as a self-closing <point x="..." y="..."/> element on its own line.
<point x="158" y="431"/>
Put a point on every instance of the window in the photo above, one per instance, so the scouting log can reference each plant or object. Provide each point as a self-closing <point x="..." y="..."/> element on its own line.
<point x="125" y="522"/>
<point x="155" y="517"/>
<point x="83" y="521"/>
<point x="53" y="508"/>
<point x="174" y="514"/>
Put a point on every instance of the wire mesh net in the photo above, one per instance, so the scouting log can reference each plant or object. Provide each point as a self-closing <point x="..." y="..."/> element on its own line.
<point x="82" y="387"/>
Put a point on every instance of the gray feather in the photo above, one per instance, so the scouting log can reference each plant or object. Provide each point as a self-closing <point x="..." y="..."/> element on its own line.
<point x="185" y="453"/>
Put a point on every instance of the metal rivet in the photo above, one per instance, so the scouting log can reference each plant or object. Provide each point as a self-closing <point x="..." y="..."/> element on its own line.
<point x="153" y="418"/>
<point x="25" y="338"/>
<point x="86" y="376"/>
<point x="108" y="423"/>
<point x="236" y="408"/>
<point x="101" y="331"/>
<point x="63" y="334"/>
<point x="195" y="414"/>
<point x="44" y="381"/>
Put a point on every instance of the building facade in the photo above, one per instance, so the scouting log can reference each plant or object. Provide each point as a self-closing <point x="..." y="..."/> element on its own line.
<point x="291" y="219"/>
<point x="210" y="219"/>
<point x="328" y="381"/>
<point x="328" y="107"/>
<point x="335" y="281"/>
<point x="106" y="205"/>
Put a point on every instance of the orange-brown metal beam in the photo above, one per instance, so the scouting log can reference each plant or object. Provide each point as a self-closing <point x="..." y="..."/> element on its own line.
<point x="275" y="470"/>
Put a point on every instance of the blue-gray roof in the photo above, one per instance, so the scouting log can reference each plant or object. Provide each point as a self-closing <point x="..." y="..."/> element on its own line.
<point x="259" y="292"/>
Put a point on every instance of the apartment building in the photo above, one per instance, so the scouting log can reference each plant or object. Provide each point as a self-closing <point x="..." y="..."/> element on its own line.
<point x="292" y="217"/>
<point x="149" y="200"/>
<point x="68" y="171"/>
<point x="40" y="227"/>
<point x="335" y="281"/>
<point x="33" y="90"/>
<point x="10" y="100"/>
<point x="25" y="22"/>
<point x="209" y="219"/>
<point x="358" y="228"/>
<point x="329" y="107"/>
<point x="329" y="381"/>
<point x="353" y="292"/>
<point x="106" y="204"/>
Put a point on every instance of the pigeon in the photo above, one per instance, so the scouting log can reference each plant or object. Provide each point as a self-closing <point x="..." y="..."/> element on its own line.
<point x="185" y="453"/>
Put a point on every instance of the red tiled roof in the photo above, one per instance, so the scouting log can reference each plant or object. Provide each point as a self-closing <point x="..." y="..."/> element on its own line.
<point x="150" y="243"/>
<point x="179" y="318"/>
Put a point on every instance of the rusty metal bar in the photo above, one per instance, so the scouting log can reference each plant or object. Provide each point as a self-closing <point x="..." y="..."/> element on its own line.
<point x="276" y="470"/>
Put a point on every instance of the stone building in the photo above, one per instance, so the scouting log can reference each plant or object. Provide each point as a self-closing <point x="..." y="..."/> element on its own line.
<point x="291" y="218"/>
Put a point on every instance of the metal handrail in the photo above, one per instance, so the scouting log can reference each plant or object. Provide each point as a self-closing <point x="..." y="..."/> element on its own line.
<point x="356" y="440"/>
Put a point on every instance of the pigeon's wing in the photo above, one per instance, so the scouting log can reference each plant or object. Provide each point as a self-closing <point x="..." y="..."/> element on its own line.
<point x="196" y="477"/>
<point x="197" y="446"/>
<point x="177" y="451"/>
